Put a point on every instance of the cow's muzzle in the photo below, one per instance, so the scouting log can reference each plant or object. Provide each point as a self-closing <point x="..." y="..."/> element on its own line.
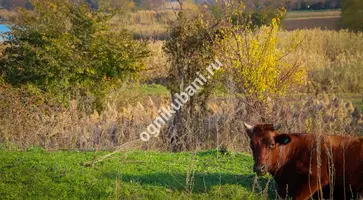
<point x="260" y="170"/>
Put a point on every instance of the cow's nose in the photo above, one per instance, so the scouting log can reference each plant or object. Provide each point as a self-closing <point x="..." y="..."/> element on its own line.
<point x="260" y="169"/>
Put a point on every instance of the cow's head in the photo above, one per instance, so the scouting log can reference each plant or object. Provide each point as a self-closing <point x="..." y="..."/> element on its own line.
<point x="265" y="141"/>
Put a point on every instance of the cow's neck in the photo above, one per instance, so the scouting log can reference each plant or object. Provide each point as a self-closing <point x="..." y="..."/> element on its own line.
<point x="291" y="152"/>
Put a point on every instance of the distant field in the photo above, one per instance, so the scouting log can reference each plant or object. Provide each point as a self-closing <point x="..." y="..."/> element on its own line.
<point x="152" y="24"/>
<point x="132" y="175"/>
<point x="311" y="19"/>
<point x="312" y="14"/>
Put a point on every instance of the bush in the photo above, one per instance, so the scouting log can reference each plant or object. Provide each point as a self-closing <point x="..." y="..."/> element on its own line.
<point x="190" y="50"/>
<point x="68" y="50"/>
<point x="352" y="14"/>
<point x="257" y="63"/>
<point x="256" y="17"/>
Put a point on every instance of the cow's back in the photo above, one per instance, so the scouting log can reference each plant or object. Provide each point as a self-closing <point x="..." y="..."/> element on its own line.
<point x="344" y="159"/>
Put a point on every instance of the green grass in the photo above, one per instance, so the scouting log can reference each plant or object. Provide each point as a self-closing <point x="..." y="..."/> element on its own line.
<point x="36" y="174"/>
<point x="156" y="89"/>
<point x="355" y="98"/>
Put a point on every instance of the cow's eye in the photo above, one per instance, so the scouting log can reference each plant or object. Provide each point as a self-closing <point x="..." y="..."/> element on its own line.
<point x="272" y="145"/>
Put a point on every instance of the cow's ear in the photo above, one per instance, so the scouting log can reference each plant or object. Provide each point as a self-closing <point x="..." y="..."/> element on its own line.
<point x="249" y="129"/>
<point x="283" y="139"/>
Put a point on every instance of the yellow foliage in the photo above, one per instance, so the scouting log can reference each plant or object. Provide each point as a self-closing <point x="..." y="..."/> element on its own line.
<point x="258" y="64"/>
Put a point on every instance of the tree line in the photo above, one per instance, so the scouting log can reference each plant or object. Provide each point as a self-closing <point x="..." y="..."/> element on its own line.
<point x="153" y="4"/>
<point x="95" y="4"/>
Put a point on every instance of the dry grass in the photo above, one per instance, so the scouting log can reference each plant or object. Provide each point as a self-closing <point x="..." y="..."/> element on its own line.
<point x="322" y="48"/>
<point x="26" y="122"/>
<point x="333" y="59"/>
<point x="7" y="16"/>
<point x="152" y="31"/>
<point x="146" y="24"/>
<point x="157" y="64"/>
<point x="148" y="17"/>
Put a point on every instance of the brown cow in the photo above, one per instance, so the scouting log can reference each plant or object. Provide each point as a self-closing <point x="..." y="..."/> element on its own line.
<point x="303" y="165"/>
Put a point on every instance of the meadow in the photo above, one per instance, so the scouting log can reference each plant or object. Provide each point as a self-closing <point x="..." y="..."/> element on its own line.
<point x="36" y="174"/>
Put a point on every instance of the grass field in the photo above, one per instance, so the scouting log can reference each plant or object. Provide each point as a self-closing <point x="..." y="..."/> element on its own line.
<point x="36" y="174"/>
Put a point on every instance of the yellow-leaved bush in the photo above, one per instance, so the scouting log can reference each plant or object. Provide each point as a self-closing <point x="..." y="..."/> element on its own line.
<point x="258" y="65"/>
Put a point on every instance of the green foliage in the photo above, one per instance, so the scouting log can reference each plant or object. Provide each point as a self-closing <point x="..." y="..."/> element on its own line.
<point x="67" y="49"/>
<point x="352" y="14"/>
<point x="259" y="17"/>
<point x="132" y="175"/>
<point x="190" y="49"/>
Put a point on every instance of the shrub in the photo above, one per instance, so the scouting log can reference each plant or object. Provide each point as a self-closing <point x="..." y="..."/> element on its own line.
<point x="190" y="49"/>
<point x="352" y="14"/>
<point x="257" y="63"/>
<point x="66" y="49"/>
